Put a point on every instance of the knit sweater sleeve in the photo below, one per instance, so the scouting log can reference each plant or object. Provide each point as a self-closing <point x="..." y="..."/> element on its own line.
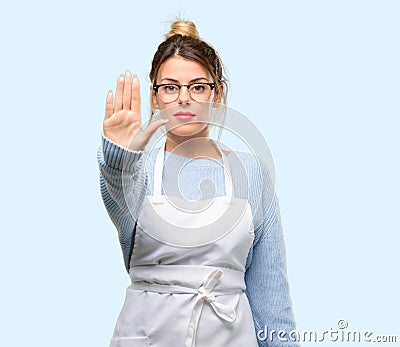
<point x="123" y="184"/>
<point x="266" y="278"/>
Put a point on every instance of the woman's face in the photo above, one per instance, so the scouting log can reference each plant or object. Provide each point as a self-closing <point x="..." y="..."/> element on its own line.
<point x="187" y="116"/>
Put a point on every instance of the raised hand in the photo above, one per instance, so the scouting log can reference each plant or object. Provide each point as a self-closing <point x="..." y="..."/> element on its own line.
<point x="122" y="122"/>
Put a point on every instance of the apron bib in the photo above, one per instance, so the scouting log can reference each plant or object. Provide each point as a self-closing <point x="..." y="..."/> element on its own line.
<point x="187" y="272"/>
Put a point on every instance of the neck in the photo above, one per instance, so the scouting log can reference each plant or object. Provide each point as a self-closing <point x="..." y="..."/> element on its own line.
<point x="199" y="145"/>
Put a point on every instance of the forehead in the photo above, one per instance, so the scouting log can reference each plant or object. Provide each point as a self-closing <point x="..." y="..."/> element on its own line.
<point x="182" y="70"/>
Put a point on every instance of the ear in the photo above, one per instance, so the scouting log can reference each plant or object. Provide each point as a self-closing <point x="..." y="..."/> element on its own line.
<point x="218" y="95"/>
<point x="154" y="101"/>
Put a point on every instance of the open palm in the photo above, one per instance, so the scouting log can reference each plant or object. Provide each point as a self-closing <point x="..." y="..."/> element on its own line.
<point x="122" y="122"/>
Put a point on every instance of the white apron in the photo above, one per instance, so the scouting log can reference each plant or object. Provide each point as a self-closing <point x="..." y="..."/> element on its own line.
<point x="187" y="272"/>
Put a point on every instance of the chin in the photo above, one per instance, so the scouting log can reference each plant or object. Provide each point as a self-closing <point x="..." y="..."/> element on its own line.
<point x="188" y="129"/>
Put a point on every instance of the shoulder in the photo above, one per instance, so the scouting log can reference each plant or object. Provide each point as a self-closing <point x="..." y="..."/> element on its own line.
<point x="255" y="176"/>
<point x="254" y="165"/>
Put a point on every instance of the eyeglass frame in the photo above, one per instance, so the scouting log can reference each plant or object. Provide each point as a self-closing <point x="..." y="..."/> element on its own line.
<point x="157" y="86"/>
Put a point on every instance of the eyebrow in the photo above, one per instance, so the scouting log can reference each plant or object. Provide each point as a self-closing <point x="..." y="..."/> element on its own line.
<point x="191" y="81"/>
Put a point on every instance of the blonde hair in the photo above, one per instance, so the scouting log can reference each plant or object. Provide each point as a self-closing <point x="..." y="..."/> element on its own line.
<point x="184" y="28"/>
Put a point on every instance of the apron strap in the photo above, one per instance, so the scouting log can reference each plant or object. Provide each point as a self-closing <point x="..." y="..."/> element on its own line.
<point x="204" y="293"/>
<point x="159" y="164"/>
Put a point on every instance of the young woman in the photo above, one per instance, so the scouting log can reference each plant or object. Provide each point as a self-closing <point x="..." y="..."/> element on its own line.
<point x="204" y="272"/>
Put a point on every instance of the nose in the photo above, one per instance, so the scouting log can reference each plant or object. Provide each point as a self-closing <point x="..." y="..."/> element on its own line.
<point x="184" y="95"/>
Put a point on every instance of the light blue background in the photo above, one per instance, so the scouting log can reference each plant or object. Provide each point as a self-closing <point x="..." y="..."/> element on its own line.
<point x="319" y="78"/>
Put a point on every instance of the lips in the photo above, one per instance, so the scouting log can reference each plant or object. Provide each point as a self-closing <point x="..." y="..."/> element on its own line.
<point x="184" y="115"/>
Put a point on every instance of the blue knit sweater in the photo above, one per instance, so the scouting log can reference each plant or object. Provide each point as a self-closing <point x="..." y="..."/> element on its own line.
<point x="267" y="288"/>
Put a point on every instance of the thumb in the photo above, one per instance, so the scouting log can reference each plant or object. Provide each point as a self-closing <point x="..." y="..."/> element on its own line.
<point x="152" y="127"/>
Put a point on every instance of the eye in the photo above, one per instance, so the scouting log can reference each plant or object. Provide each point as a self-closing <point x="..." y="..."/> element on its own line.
<point x="198" y="88"/>
<point x="170" y="88"/>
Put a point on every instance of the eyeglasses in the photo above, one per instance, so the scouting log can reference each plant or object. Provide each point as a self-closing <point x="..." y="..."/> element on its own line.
<point x="199" y="92"/>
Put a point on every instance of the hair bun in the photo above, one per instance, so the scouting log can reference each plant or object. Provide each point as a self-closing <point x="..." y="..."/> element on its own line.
<point x="185" y="28"/>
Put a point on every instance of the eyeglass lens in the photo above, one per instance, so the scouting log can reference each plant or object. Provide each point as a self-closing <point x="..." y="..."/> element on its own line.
<point x="197" y="91"/>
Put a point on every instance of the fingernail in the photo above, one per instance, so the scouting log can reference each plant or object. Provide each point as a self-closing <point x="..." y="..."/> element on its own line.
<point x="166" y="121"/>
<point x="135" y="76"/>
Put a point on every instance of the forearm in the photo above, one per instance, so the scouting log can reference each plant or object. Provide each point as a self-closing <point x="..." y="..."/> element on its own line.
<point x="268" y="288"/>
<point x="122" y="178"/>
<point x="123" y="185"/>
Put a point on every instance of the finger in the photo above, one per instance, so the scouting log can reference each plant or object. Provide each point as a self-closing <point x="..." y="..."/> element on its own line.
<point x="118" y="95"/>
<point x="135" y="102"/>
<point x="109" y="105"/>
<point x="126" y="100"/>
